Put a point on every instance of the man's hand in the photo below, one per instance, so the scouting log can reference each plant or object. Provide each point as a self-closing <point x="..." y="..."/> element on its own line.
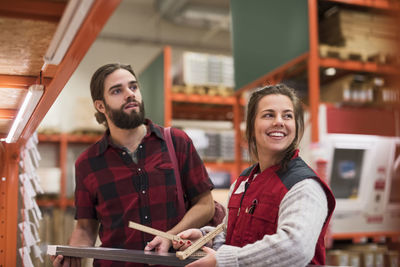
<point x="159" y="244"/>
<point x="61" y="261"/>
<point x="209" y="260"/>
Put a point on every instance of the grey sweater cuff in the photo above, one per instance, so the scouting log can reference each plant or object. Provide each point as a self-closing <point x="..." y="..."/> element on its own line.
<point x="227" y="256"/>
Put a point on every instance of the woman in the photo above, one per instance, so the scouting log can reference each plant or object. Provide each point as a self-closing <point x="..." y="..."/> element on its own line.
<point x="278" y="209"/>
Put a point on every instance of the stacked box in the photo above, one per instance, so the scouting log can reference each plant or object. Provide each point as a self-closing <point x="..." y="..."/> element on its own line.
<point x="228" y="77"/>
<point x="195" y="68"/>
<point x="220" y="179"/>
<point x="371" y="36"/>
<point x="363" y="255"/>
<point x="214" y="70"/>
<point x="228" y="145"/>
<point x="207" y="69"/>
<point x="337" y="258"/>
<point x="212" y="152"/>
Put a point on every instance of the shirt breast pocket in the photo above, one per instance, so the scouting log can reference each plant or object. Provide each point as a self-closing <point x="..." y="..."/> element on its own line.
<point x="163" y="176"/>
<point x="264" y="221"/>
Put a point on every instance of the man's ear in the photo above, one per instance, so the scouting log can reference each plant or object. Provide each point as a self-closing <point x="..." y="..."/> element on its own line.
<point x="99" y="105"/>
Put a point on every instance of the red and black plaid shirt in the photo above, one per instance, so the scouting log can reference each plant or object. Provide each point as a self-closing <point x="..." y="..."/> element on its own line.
<point x="113" y="189"/>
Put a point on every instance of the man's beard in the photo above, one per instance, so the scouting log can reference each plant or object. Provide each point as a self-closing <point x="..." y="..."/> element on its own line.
<point x="123" y="120"/>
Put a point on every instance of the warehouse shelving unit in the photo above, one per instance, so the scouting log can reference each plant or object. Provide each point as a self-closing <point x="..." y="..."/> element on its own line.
<point x="62" y="142"/>
<point x="234" y="104"/>
<point x="312" y="63"/>
<point x="54" y="78"/>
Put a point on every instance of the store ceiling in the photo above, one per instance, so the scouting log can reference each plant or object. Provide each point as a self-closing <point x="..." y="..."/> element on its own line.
<point x="26" y="30"/>
<point x="28" y="26"/>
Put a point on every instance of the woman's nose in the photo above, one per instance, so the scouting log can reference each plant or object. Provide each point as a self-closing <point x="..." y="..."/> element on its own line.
<point x="278" y="121"/>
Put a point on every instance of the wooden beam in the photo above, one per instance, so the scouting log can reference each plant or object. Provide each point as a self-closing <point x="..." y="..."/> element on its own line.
<point x="263" y="80"/>
<point x="8" y="114"/>
<point x="96" y="18"/>
<point x="382" y="4"/>
<point x="19" y="81"/>
<point x="36" y="10"/>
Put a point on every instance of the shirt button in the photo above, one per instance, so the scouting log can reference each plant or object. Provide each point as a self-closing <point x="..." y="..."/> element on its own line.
<point x="144" y="192"/>
<point x="146" y="217"/>
<point x="139" y="169"/>
<point x="123" y="153"/>
<point x="140" y="146"/>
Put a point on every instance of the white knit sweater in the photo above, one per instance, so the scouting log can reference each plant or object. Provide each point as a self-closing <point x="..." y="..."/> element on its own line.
<point x="302" y="213"/>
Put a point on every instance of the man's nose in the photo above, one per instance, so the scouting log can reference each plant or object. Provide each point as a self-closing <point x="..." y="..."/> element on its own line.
<point x="128" y="93"/>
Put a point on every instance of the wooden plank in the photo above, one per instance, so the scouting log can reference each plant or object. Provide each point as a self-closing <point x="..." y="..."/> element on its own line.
<point x="153" y="231"/>
<point x="116" y="254"/>
<point x="7" y="114"/>
<point x="37" y="10"/>
<point x="200" y="242"/>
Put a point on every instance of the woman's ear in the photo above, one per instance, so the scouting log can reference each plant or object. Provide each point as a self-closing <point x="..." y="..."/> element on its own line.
<point x="99" y="105"/>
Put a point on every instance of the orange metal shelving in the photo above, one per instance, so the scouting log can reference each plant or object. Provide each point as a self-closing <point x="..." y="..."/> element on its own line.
<point x="378" y="4"/>
<point x="199" y="99"/>
<point x="314" y="64"/>
<point x="235" y="101"/>
<point x="375" y="236"/>
<point x="96" y="18"/>
<point x="360" y="66"/>
<point x="9" y="204"/>
<point x="63" y="140"/>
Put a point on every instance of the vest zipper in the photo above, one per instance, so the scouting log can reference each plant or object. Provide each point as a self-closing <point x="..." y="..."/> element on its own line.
<point x="246" y="185"/>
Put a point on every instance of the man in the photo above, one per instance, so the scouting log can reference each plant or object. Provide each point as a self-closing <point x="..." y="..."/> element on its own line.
<point x="128" y="175"/>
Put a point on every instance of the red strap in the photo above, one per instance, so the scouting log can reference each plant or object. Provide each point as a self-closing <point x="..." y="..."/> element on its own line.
<point x="172" y="155"/>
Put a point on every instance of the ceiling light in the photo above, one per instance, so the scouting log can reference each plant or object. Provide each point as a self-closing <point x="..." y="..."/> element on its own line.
<point x="33" y="96"/>
<point x="330" y="71"/>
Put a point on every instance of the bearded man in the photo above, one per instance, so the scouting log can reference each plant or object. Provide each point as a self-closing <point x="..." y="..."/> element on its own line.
<point x="129" y="176"/>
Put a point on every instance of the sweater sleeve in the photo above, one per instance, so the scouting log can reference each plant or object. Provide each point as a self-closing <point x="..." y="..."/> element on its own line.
<point x="302" y="214"/>
<point x="219" y="240"/>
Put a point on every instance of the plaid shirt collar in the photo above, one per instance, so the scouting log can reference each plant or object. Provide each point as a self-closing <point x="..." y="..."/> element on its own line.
<point x="105" y="140"/>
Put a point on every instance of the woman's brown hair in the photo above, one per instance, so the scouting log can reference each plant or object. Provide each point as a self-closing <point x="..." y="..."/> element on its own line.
<point x="252" y="106"/>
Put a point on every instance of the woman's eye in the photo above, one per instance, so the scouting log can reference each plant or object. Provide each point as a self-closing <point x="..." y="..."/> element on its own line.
<point x="288" y="116"/>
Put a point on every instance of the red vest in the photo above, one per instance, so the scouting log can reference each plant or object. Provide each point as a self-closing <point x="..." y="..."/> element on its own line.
<point x="249" y="222"/>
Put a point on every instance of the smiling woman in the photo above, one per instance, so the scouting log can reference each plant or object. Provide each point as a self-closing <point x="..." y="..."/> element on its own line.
<point x="275" y="117"/>
<point x="278" y="209"/>
<point x="274" y="127"/>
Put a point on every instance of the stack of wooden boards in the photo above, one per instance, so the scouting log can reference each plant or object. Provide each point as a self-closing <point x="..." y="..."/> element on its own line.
<point x="359" y="35"/>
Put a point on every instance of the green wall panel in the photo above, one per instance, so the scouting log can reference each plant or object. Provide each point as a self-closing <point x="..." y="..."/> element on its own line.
<point x="151" y="82"/>
<point x="265" y="35"/>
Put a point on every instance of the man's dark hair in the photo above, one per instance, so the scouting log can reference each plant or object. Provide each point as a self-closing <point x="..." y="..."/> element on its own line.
<point x="97" y="85"/>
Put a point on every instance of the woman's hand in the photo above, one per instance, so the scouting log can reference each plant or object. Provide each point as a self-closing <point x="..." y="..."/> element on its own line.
<point x="191" y="235"/>
<point x="207" y="261"/>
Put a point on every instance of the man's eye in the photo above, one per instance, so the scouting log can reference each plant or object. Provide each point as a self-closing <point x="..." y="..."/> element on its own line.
<point x="116" y="91"/>
<point x="267" y="115"/>
<point x="133" y="87"/>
